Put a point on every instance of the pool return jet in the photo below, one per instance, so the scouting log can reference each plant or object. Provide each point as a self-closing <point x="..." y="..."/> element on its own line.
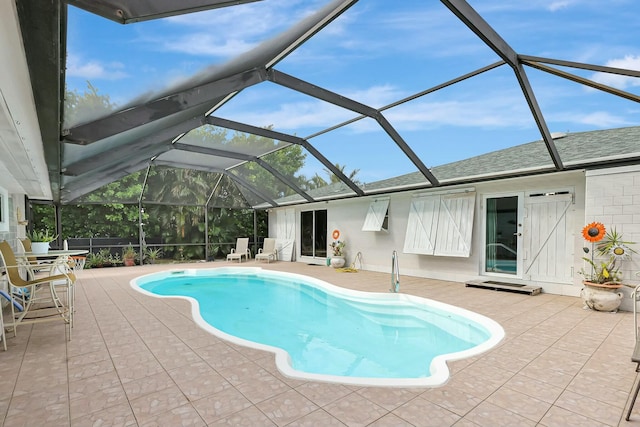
<point x="395" y="273"/>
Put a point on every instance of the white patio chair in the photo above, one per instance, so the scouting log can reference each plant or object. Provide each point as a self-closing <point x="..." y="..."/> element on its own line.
<point x="268" y="250"/>
<point x="3" y="336"/>
<point x="41" y="299"/>
<point x="241" y="250"/>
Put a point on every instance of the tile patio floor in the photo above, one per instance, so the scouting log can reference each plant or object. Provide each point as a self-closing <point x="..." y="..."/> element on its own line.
<point x="139" y="361"/>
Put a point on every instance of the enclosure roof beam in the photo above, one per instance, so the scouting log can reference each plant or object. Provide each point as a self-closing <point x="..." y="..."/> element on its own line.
<point x="286" y="180"/>
<point x="424" y="170"/>
<point x="411" y="97"/>
<point x="268" y="133"/>
<point x="317" y="92"/>
<point x="254" y="130"/>
<point x="251" y="188"/>
<point x="80" y="187"/>
<point x="580" y="65"/>
<point x="235" y="178"/>
<point x="530" y="97"/>
<point x="491" y="38"/>
<point x="586" y="82"/>
<point x="344" y="102"/>
<point x="127" y="12"/>
<point x="213" y="152"/>
<point x="246" y="157"/>
<point x="482" y="29"/>
<point x="144" y="147"/>
<point x="155" y="109"/>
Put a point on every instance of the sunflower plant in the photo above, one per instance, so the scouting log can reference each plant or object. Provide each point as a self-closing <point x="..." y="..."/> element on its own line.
<point x="337" y="247"/>
<point x="609" y="245"/>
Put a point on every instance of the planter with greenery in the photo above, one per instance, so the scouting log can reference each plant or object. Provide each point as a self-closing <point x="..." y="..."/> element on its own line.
<point x="40" y="240"/>
<point x="337" y="249"/>
<point x="152" y="254"/>
<point x="129" y="256"/>
<point x="603" y="279"/>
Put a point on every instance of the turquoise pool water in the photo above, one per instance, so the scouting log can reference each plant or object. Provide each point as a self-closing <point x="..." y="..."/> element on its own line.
<point x="323" y="332"/>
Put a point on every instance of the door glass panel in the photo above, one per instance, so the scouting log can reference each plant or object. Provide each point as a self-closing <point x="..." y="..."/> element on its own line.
<point x="321" y="234"/>
<point x="501" y="253"/>
<point x="306" y="233"/>
<point x="313" y="233"/>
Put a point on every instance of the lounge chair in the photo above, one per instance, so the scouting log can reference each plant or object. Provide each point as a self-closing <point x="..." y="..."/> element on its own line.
<point x="268" y="250"/>
<point x="41" y="297"/>
<point x="241" y="250"/>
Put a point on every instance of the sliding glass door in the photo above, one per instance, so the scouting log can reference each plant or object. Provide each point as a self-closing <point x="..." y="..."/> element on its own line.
<point x="313" y="234"/>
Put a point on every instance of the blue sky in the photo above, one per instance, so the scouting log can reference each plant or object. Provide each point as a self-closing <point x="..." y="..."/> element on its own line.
<point x="379" y="52"/>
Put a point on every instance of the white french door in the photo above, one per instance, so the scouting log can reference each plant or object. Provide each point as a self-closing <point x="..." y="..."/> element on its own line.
<point x="503" y="237"/>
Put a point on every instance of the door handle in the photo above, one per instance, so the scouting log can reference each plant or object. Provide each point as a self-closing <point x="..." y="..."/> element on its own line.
<point x="517" y="234"/>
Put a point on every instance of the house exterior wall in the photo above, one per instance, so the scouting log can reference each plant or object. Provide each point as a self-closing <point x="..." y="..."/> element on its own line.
<point x="376" y="248"/>
<point x="13" y="231"/>
<point x="613" y="198"/>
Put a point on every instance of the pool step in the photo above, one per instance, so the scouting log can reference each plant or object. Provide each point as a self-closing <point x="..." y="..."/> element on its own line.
<point x="504" y="286"/>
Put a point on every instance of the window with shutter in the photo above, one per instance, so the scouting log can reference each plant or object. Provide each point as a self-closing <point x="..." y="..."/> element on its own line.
<point x="441" y="224"/>
<point x="421" y="226"/>
<point x="377" y="216"/>
<point x="455" y="225"/>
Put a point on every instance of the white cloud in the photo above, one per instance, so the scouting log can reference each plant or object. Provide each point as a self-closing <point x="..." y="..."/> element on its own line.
<point x="94" y="69"/>
<point x="496" y="113"/>
<point x="229" y="31"/>
<point x="557" y="5"/>
<point x="299" y="117"/>
<point x="629" y="62"/>
<point x="206" y="45"/>
<point x="599" y="119"/>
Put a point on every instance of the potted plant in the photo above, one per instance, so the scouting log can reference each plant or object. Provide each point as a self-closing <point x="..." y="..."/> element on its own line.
<point x="603" y="278"/>
<point x="337" y="249"/>
<point x="129" y="256"/>
<point x="40" y="240"/>
<point x="153" y="254"/>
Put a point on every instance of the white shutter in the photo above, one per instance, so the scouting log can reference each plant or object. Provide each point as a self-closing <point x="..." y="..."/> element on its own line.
<point x="455" y="225"/>
<point x="421" y="226"/>
<point x="548" y="240"/>
<point x="376" y="214"/>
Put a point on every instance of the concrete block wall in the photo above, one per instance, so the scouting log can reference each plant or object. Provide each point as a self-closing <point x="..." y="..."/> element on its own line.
<point x="613" y="198"/>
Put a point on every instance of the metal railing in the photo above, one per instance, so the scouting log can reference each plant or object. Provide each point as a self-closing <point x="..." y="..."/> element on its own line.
<point x="395" y="273"/>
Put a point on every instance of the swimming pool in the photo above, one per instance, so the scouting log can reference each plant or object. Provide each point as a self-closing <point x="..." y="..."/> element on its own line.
<point x="322" y="332"/>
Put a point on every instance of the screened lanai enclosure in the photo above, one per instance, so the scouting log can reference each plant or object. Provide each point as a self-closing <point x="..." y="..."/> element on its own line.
<point x="261" y="104"/>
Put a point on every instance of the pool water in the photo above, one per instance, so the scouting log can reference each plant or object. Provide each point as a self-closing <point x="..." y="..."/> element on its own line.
<point x="329" y="333"/>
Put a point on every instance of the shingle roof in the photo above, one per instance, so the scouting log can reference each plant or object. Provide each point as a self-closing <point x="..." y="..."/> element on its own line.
<point x="579" y="149"/>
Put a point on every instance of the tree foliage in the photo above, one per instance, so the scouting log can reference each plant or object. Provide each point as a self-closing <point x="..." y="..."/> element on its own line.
<point x="82" y="107"/>
<point x="175" y="199"/>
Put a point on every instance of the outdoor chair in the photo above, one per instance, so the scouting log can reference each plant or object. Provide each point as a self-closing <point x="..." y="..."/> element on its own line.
<point x="32" y="266"/>
<point x="268" y="250"/>
<point x="241" y="250"/>
<point x="3" y="336"/>
<point x="41" y="297"/>
<point x="635" y="357"/>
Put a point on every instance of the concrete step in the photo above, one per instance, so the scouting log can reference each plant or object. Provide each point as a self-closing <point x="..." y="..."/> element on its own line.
<point x="504" y="286"/>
